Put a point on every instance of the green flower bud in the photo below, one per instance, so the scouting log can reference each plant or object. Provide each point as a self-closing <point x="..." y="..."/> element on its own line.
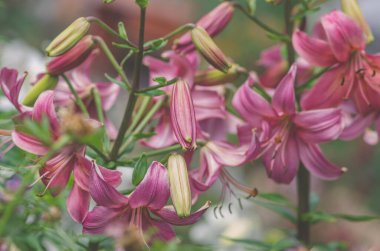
<point x="209" y="50"/>
<point x="47" y="82"/>
<point x="179" y="185"/>
<point x="212" y="77"/>
<point x="68" y="38"/>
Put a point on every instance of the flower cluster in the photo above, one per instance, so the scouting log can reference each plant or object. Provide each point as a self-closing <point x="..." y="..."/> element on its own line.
<point x="273" y="117"/>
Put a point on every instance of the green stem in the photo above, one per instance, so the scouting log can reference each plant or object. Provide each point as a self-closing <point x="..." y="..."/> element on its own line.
<point x="180" y="30"/>
<point x="9" y="210"/>
<point x="78" y="100"/>
<point x="303" y="193"/>
<point x="143" y="123"/>
<point x="309" y="83"/>
<point x="258" y="22"/>
<point x="289" y="30"/>
<point x="135" y="85"/>
<point x="141" y="111"/>
<point x="98" y="104"/>
<point x="153" y="153"/>
<point x="173" y="81"/>
<point x="113" y="61"/>
<point x="111" y="31"/>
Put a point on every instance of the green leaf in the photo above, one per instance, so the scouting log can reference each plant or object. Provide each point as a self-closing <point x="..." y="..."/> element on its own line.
<point x="116" y="81"/>
<point x="275" y="198"/>
<point x="317" y="216"/>
<point x="278" y="209"/>
<point x="124" y="46"/>
<point x="155" y="45"/>
<point x="138" y="136"/>
<point x="40" y="130"/>
<point x="140" y="170"/>
<point x="332" y="246"/>
<point x="356" y="218"/>
<point x="251" y="6"/>
<point x="160" y="80"/>
<point x="152" y="93"/>
<point x="250" y="242"/>
<point x="122" y="31"/>
<point x="94" y="139"/>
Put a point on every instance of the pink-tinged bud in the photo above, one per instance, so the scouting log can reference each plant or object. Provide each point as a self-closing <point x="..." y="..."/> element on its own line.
<point x="47" y="82"/>
<point x="212" y="77"/>
<point x="213" y="22"/>
<point x="179" y="185"/>
<point x="352" y="9"/>
<point x="209" y="50"/>
<point x="68" y="38"/>
<point x="182" y="115"/>
<point x="72" y="58"/>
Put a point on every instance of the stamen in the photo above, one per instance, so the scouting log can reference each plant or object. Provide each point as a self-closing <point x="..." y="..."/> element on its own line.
<point x="220" y="211"/>
<point x="342" y="81"/>
<point x="216" y="217"/>
<point x="229" y="207"/>
<point x="240" y="204"/>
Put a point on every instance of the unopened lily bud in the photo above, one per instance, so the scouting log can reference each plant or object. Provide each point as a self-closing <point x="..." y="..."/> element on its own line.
<point x="179" y="185"/>
<point x="182" y="115"/>
<point x="213" y="77"/>
<point x="352" y="9"/>
<point x="209" y="50"/>
<point x="72" y="58"/>
<point x="213" y="22"/>
<point x="68" y="38"/>
<point x="47" y="82"/>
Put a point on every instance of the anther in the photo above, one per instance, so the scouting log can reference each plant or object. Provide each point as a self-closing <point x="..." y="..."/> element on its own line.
<point x="342" y="81"/>
<point x="229" y="207"/>
<point x="220" y="211"/>
<point x="216" y="217"/>
<point x="240" y="204"/>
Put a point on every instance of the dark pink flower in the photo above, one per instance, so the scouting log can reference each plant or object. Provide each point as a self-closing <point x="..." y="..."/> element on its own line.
<point x="339" y="43"/>
<point x="287" y="136"/>
<point x="81" y="81"/>
<point x="57" y="170"/>
<point x="149" y="198"/>
<point x="275" y="67"/>
<point x="11" y="86"/>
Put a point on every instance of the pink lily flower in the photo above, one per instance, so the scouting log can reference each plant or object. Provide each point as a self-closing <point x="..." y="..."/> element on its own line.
<point x="339" y="43"/>
<point x="81" y="81"/>
<point x="149" y="198"/>
<point x="214" y="157"/>
<point x="356" y="124"/>
<point x="208" y="103"/>
<point x="275" y="67"/>
<point x="11" y="86"/>
<point x="214" y="22"/>
<point x="57" y="170"/>
<point x="288" y="136"/>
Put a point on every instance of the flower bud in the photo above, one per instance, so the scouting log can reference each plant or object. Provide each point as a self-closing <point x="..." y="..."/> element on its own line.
<point x="209" y="50"/>
<point x="182" y="115"/>
<point x="213" y="77"/>
<point x="68" y="38"/>
<point x="72" y="58"/>
<point x="213" y="22"/>
<point x="179" y="185"/>
<point x="47" y="82"/>
<point x="352" y="9"/>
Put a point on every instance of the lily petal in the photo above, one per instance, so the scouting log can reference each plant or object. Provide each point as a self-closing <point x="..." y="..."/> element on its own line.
<point x="284" y="100"/>
<point x="317" y="164"/>
<point x="100" y="218"/>
<point x="314" y="50"/>
<point x="153" y="191"/>
<point x="78" y="203"/>
<point x="169" y="215"/>
<point x="317" y="126"/>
